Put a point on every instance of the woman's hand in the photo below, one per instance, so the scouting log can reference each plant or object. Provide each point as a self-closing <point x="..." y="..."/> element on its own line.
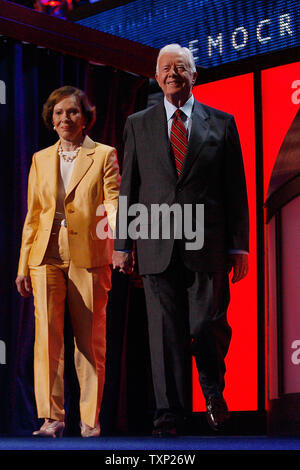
<point x="23" y="284"/>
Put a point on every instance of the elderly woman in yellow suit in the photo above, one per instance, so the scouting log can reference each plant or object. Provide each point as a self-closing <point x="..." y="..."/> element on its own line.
<point x="65" y="257"/>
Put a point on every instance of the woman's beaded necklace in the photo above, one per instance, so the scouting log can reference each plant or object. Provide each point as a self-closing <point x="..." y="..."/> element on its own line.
<point x="68" y="155"/>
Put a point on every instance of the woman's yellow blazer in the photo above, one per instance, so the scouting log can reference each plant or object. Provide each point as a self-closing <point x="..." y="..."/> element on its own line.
<point x="91" y="196"/>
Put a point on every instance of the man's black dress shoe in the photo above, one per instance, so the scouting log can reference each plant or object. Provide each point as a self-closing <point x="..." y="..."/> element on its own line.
<point x="217" y="412"/>
<point x="165" y="430"/>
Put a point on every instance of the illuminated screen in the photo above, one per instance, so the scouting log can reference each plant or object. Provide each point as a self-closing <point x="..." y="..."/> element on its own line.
<point x="235" y="96"/>
<point x="217" y="31"/>
<point x="280" y="104"/>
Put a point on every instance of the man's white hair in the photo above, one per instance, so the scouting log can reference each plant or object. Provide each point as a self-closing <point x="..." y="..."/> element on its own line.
<point x="177" y="48"/>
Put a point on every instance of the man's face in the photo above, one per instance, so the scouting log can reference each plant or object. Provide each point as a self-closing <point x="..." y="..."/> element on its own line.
<point x="175" y="77"/>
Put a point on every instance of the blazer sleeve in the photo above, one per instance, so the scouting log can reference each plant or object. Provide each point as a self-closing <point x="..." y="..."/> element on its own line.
<point x="31" y="221"/>
<point x="130" y="183"/>
<point x="111" y="187"/>
<point x="236" y="192"/>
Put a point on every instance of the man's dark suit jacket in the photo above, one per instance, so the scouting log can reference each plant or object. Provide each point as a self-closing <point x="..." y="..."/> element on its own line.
<point x="213" y="175"/>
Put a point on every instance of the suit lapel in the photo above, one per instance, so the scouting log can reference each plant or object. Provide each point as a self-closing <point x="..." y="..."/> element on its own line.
<point x="82" y="164"/>
<point x="160" y="135"/>
<point x="199" y="131"/>
<point x="51" y="169"/>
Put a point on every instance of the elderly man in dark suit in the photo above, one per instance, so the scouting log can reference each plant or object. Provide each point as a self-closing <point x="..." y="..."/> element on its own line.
<point x="183" y="177"/>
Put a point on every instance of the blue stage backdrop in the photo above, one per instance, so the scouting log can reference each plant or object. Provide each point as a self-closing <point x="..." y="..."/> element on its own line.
<point x="217" y="31"/>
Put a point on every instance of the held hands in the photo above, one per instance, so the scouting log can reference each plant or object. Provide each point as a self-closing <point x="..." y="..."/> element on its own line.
<point x="124" y="261"/>
<point x="23" y="284"/>
<point x="239" y="263"/>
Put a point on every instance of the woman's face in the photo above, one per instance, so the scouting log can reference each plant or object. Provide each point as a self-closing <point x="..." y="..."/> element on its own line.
<point x="68" y="119"/>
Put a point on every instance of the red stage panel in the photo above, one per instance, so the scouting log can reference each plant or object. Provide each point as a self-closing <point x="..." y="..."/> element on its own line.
<point x="280" y="103"/>
<point x="235" y="96"/>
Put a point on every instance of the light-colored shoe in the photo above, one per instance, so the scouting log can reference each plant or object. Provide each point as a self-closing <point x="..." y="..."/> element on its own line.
<point x="88" y="431"/>
<point x="50" y="428"/>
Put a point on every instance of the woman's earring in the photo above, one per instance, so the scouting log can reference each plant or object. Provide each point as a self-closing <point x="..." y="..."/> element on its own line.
<point x="54" y="128"/>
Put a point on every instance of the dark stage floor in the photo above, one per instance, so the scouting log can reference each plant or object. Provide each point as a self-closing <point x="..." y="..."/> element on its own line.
<point x="186" y="443"/>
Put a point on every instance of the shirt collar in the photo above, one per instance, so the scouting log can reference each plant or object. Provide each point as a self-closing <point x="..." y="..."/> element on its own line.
<point x="186" y="108"/>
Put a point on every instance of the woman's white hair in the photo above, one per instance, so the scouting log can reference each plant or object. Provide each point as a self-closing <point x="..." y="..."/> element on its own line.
<point x="177" y="48"/>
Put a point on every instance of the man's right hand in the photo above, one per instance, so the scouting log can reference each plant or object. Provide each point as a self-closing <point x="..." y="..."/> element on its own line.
<point x="124" y="261"/>
<point x="23" y="284"/>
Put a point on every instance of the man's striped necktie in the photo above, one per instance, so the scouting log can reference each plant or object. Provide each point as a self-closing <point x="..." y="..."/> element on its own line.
<point x="179" y="140"/>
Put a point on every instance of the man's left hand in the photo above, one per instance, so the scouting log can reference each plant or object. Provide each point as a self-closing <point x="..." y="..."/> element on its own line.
<point x="238" y="262"/>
